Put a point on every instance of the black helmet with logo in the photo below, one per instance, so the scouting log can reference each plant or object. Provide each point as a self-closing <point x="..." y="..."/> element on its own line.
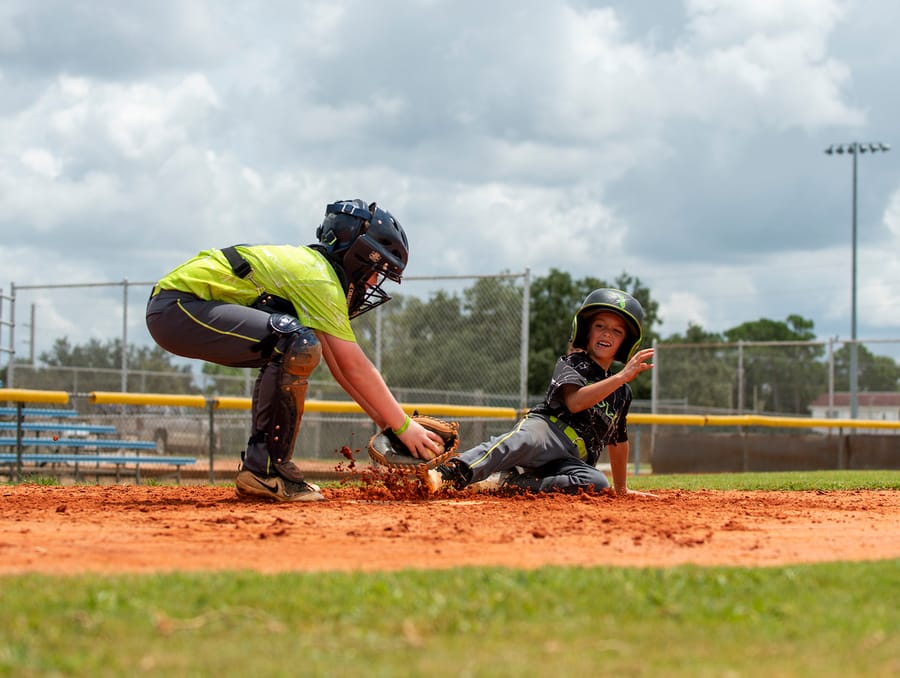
<point x="363" y="240"/>
<point x="619" y="302"/>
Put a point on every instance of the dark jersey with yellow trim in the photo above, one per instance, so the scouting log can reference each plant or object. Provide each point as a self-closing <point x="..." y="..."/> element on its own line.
<point x="600" y="425"/>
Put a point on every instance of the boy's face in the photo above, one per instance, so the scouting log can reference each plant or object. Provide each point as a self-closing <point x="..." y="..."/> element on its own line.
<point x="605" y="336"/>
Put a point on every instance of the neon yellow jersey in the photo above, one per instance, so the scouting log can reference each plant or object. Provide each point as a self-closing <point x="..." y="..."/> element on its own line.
<point x="297" y="273"/>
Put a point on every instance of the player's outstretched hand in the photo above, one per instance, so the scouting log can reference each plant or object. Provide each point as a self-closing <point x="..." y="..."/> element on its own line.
<point x="636" y="493"/>
<point x="638" y="363"/>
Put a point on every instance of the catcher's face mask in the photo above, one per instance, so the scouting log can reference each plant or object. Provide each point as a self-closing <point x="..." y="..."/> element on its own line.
<point x="373" y="248"/>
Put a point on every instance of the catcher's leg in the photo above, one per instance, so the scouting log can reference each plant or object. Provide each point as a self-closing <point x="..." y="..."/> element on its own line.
<point x="215" y="331"/>
<point x="239" y="336"/>
<point x="279" y="396"/>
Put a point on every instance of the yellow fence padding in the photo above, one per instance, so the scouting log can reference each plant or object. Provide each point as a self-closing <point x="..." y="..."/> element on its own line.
<point x="25" y="395"/>
<point x="110" y="398"/>
<point x="22" y="395"/>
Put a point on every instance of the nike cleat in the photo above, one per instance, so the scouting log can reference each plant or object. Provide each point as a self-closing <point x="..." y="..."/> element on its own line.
<point x="275" y="488"/>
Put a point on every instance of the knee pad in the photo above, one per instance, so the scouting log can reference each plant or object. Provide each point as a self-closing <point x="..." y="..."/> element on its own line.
<point x="296" y="345"/>
<point x="301" y="353"/>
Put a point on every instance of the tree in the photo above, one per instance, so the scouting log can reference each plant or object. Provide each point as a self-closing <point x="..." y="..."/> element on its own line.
<point x="492" y="311"/>
<point x="784" y="378"/>
<point x="415" y="338"/>
<point x="452" y="342"/>
<point x="100" y="365"/>
<point x="874" y="373"/>
<point x="225" y="381"/>
<point x="704" y="376"/>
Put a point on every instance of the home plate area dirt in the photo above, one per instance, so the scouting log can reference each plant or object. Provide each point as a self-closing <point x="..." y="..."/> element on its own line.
<point x="391" y="525"/>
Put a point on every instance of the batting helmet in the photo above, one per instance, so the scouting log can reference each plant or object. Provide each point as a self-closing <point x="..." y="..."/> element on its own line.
<point x="364" y="239"/>
<point x="618" y="302"/>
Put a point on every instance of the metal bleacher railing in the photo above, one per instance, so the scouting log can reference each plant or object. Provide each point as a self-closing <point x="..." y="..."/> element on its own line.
<point x="75" y="436"/>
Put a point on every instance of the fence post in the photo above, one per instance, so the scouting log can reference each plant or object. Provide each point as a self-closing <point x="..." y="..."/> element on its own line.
<point x="11" y="324"/>
<point x="745" y="451"/>
<point x="212" y="439"/>
<point x="843" y="448"/>
<point x="831" y="412"/>
<point x="20" y="417"/>
<point x="637" y="450"/>
<point x="654" y="396"/>
<point x="4" y="323"/>
<point x="379" y="336"/>
<point x="524" y="339"/>
<point x="124" y="381"/>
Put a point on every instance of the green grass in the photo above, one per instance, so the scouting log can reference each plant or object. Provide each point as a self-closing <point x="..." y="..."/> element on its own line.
<point x="824" y="620"/>
<point x="36" y="479"/>
<point x="781" y="480"/>
<point x="834" y="619"/>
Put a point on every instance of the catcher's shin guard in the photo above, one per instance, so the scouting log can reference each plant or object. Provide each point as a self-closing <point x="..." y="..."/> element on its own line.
<point x="279" y="396"/>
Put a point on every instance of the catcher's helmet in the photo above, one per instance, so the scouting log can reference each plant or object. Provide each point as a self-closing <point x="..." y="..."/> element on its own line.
<point x="616" y="301"/>
<point x="364" y="239"/>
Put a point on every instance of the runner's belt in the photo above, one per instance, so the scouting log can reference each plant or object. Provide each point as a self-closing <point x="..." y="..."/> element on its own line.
<point x="571" y="434"/>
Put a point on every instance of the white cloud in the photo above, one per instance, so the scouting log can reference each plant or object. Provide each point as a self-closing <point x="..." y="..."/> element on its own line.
<point x="679" y="310"/>
<point x="42" y="162"/>
<point x="892" y="215"/>
<point x="879" y="272"/>
<point x="725" y="22"/>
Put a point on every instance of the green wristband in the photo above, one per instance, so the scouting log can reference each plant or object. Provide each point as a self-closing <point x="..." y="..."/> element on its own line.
<point x="405" y="426"/>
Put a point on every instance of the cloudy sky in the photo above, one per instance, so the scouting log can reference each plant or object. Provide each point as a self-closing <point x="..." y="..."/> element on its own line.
<point x="680" y="142"/>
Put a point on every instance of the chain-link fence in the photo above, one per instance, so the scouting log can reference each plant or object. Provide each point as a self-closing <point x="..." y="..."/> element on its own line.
<point x="455" y="340"/>
<point x="440" y="337"/>
<point x="460" y="341"/>
<point x="795" y="378"/>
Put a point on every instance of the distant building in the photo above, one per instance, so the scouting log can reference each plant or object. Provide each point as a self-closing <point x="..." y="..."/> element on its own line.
<point x="873" y="405"/>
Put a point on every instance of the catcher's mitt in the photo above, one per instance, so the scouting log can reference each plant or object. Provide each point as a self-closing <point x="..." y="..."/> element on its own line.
<point x="388" y="450"/>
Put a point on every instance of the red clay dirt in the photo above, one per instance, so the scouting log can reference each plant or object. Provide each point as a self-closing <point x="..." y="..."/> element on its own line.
<point x="388" y="524"/>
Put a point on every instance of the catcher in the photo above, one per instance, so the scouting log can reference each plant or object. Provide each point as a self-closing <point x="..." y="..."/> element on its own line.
<point x="281" y="308"/>
<point x="556" y="445"/>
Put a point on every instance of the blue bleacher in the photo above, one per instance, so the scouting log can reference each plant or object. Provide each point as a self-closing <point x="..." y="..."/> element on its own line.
<point x="81" y="442"/>
<point x="37" y="412"/>
<point x="124" y="459"/>
<point x="90" y="454"/>
<point x="69" y="428"/>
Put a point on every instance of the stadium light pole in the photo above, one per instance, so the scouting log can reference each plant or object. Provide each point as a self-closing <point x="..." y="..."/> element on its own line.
<point x="855" y="148"/>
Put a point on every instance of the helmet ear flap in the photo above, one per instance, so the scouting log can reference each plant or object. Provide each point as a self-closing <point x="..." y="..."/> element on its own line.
<point x="344" y="222"/>
<point x="580" y="325"/>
